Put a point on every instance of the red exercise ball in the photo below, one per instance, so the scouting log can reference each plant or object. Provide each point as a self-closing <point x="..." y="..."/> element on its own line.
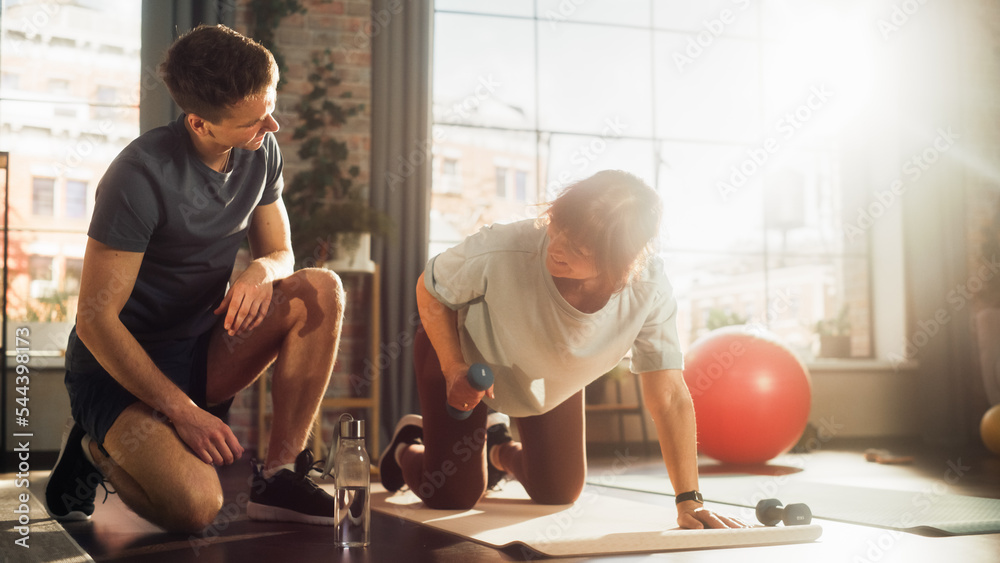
<point x="751" y="394"/>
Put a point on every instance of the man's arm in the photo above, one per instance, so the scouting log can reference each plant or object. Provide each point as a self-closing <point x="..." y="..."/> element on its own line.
<point x="669" y="402"/>
<point x="248" y="300"/>
<point x="108" y="277"/>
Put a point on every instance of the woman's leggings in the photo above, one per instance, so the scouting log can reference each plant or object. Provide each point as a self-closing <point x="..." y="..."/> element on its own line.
<point x="450" y="472"/>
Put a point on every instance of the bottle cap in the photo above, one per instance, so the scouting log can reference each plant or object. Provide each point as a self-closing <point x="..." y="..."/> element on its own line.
<point x="352" y="429"/>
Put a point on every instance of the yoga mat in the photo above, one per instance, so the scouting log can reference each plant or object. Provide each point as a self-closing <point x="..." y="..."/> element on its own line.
<point x="595" y="525"/>
<point x="926" y="512"/>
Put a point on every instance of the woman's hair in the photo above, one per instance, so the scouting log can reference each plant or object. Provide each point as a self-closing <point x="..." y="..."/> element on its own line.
<point x="615" y="216"/>
<point x="212" y="68"/>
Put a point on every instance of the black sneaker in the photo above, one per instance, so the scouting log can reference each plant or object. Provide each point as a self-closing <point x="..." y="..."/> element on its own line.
<point x="290" y="496"/>
<point x="497" y="433"/>
<point x="409" y="430"/>
<point x="72" y="486"/>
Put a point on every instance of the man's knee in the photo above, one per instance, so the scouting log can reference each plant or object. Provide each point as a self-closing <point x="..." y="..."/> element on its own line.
<point x="192" y="508"/>
<point x="316" y="287"/>
<point x="195" y="519"/>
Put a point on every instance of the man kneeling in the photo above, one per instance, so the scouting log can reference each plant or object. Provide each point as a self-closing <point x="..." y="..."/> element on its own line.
<point x="160" y="345"/>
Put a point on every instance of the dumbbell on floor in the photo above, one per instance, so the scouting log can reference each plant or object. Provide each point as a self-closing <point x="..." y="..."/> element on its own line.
<point x="770" y="512"/>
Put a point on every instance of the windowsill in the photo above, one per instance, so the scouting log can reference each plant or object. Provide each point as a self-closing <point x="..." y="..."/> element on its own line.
<point x="869" y="365"/>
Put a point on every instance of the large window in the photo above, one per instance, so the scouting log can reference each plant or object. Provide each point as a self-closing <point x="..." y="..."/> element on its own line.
<point x="69" y="102"/>
<point x="733" y="110"/>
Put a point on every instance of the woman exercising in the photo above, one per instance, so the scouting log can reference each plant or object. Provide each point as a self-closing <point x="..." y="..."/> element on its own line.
<point x="550" y="305"/>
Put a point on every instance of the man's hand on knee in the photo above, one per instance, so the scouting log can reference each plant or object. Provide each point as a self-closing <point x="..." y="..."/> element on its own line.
<point x="248" y="300"/>
<point x="208" y="437"/>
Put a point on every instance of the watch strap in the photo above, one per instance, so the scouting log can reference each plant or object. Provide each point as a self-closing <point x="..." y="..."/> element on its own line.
<point x="690" y="495"/>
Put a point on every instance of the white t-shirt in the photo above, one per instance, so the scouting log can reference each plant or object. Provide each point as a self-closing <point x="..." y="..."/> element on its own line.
<point x="543" y="350"/>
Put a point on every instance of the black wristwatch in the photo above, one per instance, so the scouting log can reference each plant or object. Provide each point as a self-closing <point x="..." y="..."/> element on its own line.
<point x="690" y="495"/>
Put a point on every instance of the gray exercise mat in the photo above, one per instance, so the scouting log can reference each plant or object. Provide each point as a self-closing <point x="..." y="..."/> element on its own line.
<point x="927" y="512"/>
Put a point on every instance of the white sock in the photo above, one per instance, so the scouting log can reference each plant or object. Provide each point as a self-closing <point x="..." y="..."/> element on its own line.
<point x="85" y="443"/>
<point x="268" y="473"/>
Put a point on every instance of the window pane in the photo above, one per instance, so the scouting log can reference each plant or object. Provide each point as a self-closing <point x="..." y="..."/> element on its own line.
<point x="481" y="75"/>
<point x="825" y="65"/>
<point x="812" y="298"/>
<point x="468" y="158"/>
<point x="713" y="96"/>
<point x="704" y="21"/>
<point x="803" y="202"/>
<point x="83" y="45"/>
<point x="551" y="13"/>
<point x="715" y="290"/>
<point x="711" y="201"/>
<point x="523" y="8"/>
<point x="570" y="158"/>
<point x="594" y="80"/>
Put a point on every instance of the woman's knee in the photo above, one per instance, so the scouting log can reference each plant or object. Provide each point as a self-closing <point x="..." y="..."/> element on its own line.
<point x="563" y="495"/>
<point x="445" y="482"/>
<point x="454" y="496"/>
<point x="555" y="487"/>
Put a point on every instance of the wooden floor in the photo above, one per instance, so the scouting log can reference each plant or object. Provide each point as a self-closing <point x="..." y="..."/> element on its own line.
<point x="116" y="534"/>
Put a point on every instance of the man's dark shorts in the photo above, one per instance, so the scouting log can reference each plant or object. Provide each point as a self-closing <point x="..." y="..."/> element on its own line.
<point x="97" y="399"/>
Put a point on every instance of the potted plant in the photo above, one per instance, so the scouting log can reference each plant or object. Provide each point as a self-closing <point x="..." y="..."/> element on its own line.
<point x="835" y="335"/>
<point x="717" y="318"/>
<point x="330" y="216"/>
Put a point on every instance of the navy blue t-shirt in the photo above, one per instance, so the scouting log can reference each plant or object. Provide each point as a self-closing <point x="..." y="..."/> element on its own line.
<point x="159" y="198"/>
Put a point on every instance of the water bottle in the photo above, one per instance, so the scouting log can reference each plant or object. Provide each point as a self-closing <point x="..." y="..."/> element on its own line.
<point x="352" y="475"/>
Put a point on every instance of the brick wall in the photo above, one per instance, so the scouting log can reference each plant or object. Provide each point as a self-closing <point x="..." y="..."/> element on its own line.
<point x="343" y="27"/>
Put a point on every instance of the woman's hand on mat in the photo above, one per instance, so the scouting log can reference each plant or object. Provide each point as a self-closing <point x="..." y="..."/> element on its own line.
<point x="693" y="516"/>
<point x="248" y="300"/>
<point x="461" y="395"/>
<point x="208" y="437"/>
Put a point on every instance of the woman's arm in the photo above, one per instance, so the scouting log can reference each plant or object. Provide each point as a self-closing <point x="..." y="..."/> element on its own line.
<point x="441" y="324"/>
<point x="668" y="401"/>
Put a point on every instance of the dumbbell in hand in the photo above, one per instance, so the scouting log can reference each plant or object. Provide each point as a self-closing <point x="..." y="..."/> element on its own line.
<point x="480" y="377"/>
<point x="770" y="512"/>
